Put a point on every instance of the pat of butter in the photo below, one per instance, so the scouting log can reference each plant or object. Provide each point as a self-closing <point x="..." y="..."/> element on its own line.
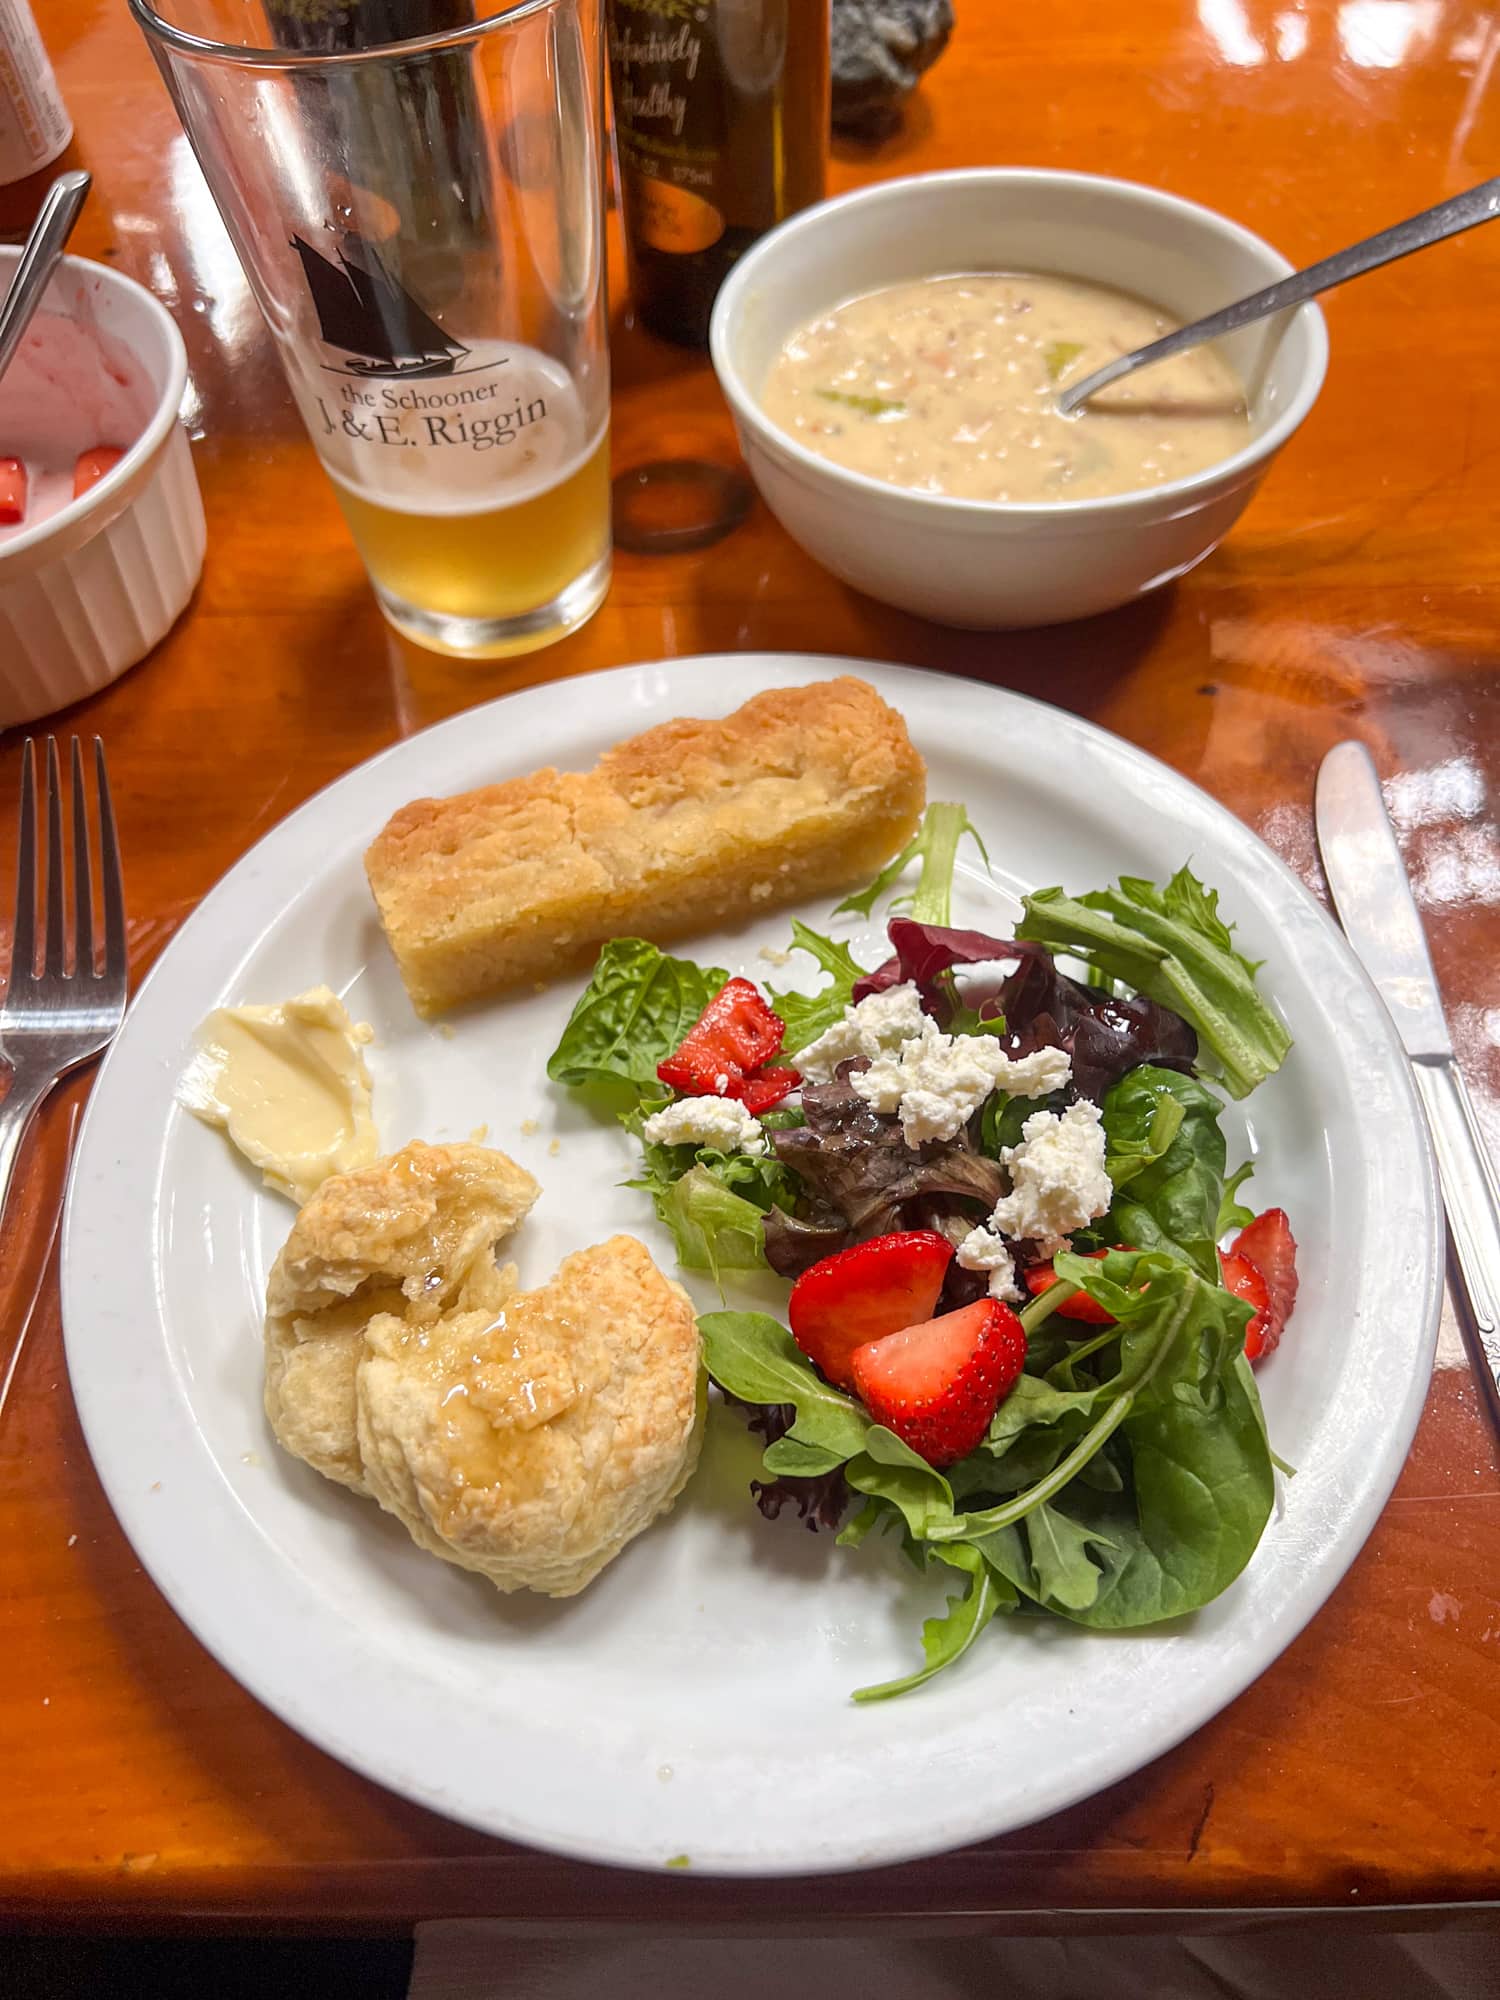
<point x="289" y="1085"/>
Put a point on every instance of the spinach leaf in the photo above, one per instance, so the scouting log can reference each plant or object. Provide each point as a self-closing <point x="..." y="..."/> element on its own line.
<point x="755" y="1358"/>
<point x="1001" y="1120"/>
<point x="635" y="1010"/>
<point x="1145" y="1123"/>
<point x="1168" y="1199"/>
<point x="1201" y="1493"/>
<point x="1172" y="946"/>
<point x="948" y="1638"/>
<point x="807" y="1015"/>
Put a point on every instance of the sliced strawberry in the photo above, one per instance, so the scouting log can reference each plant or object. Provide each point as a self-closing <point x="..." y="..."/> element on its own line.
<point x="1042" y="1277"/>
<point x="861" y="1294"/>
<point x="1269" y="1244"/>
<point x="1245" y="1279"/>
<point x="736" y="1032"/>
<point x="12" y="491"/>
<point x="739" y="1023"/>
<point x="767" y="1087"/>
<point x="938" y="1385"/>
<point x="701" y="1072"/>
<point x="90" y="466"/>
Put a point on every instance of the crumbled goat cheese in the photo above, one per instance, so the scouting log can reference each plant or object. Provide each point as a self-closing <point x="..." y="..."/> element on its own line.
<point x="1057" y="1177"/>
<point x="983" y="1250"/>
<point x="938" y="1081"/>
<point x="876" y="1027"/>
<point x="706" y="1121"/>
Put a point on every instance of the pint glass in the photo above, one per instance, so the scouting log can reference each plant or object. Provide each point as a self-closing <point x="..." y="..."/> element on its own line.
<point x="414" y="190"/>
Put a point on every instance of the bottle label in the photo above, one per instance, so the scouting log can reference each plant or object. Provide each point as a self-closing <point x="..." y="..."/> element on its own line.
<point x="673" y="102"/>
<point x="34" y="124"/>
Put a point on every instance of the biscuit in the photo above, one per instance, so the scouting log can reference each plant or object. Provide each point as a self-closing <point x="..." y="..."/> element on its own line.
<point x="800" y="791"/>
<point x="524" y="1435"/>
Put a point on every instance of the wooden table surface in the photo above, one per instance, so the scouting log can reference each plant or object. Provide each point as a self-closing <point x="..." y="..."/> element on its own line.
<point x="1359" y="597"/>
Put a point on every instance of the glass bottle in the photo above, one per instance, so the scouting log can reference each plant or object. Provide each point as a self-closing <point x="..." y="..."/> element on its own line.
<point x="721" y="123"/>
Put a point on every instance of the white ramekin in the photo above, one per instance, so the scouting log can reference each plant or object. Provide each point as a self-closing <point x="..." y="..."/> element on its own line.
<point x="985" y="563"/>
<point x="88" y="593"/>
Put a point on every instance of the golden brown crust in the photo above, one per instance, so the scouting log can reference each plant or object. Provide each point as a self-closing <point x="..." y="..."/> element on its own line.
<point x="798" y="792"/>
<point x="525" y="1435"/>
<point x="533" y="1446"/>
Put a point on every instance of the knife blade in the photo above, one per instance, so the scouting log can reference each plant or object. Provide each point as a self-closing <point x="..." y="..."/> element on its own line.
<point x="1373" y="898"/>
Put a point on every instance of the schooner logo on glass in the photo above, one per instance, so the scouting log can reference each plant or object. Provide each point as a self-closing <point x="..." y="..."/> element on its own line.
<point x="365" y="310"/>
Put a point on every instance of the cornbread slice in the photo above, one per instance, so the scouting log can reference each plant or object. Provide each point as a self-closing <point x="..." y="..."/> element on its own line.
<point x="800" y="791"/>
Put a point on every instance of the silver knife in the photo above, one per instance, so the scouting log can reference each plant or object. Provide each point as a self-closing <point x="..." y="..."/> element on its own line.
<point x="1373" y="897"/>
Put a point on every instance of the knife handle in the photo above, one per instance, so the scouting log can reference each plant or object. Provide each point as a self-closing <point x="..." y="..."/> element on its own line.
<point x="1471" y="1195"/>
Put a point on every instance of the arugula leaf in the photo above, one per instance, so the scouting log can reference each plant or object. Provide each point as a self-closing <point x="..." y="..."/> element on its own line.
<point x="1121" y="1552"/>
<point x="949" y="1637"/>
<point x="935" y="844"/>
<point x="1059" y="1547"/>
<point x="868" y="406"/>
<point x="1172" y="946"/>
<point x="1233" y="1213"/>
<point x="754" y="1357"/>
<point x="1165" y="1311"/>
<point x="889" y="1470"/>
<point x="635" y="1010"/>
<point x="1058" y="355"/>
<point x="1035" y="1403"/>
<point x="807" y="1015"/>
<point x="790" y="1458"/>
<point x="1169" y="1200"/>
<point x="874" y="1513"/>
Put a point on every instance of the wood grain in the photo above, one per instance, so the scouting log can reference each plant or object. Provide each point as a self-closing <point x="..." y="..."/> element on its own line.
<point x="1358" y="597"/>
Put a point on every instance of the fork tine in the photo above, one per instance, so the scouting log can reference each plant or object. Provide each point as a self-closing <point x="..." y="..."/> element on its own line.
<point x="23" y="940"/>
<point x="115" y="952"/>
<point x="55" y="941"/>
<point x="83" y="871"/>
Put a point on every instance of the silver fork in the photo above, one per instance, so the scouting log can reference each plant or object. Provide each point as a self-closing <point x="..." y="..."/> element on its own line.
<point x="55" y="1019"/>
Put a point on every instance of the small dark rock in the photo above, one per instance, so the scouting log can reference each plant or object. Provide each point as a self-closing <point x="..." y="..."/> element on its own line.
<point x="880" y="48"/>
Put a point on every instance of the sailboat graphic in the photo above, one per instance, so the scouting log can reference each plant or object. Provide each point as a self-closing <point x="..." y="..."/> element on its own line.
<point x="362" y="308"/>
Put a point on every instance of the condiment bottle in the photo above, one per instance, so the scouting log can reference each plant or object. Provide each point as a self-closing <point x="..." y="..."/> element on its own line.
<point x="34" y="123"/>
<point x="721" y="124"/>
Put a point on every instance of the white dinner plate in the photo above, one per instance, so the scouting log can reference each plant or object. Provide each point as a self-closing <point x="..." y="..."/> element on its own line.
<point x="692" y="1706"/>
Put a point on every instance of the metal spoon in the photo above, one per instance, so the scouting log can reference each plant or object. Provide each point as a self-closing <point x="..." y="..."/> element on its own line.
<point x="45" y="244"/>
<point x="1463" y="211"/>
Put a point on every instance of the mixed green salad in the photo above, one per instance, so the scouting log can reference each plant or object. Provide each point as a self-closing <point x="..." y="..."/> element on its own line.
<point x="1025" y="1290"/>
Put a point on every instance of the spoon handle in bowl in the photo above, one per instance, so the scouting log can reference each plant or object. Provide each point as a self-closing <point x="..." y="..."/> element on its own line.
<point x="49" y="234"/>
<point x="1461" y="211"/>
